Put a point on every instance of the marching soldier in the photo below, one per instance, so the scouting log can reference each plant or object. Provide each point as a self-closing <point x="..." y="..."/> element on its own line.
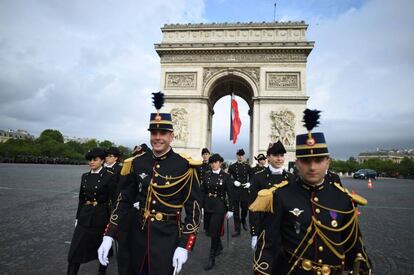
<point x="240" y="172"/>
<point x="261" y="163"/>
<point x="266" y="178"/>
<point x="113" y="161"/>
<point x="216" y="205"/>
<point x="97" y="191"/>
<point x="316" y="219"/>
<point x="160" y="184"/>
<point x="202" y="171"/>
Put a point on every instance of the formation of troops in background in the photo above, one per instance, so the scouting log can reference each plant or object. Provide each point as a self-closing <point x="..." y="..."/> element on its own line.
<point x="148" y="210"/>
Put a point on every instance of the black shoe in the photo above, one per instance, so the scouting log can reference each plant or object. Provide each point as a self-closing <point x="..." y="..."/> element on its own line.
<point x="211" y="260"/>
<point x="236" y="234"/>
<point x="244" y="227"/>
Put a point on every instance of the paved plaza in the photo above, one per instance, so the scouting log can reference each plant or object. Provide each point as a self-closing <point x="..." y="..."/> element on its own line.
<point x="38" y="206"/>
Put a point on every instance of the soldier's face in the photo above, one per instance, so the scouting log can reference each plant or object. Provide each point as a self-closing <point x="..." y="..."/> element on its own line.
<point x="161" y="140"/>
<point x="277" y="160"/>
<point x="312" y="170"/>
<point x="239" y="157"/>
<point x="95" y="163"/>
<point x="262" y="162"/>
<point x="205" y="156"/>
<point x="110" y="159"/>
<point x="215" y="165"/>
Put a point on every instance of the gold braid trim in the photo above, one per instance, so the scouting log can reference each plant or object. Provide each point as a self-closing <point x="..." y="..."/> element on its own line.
<point x="193" y="227"/>
<point x="114" y="217"/>
<point x="257" y="265"/>
<point x="264" y="200"/>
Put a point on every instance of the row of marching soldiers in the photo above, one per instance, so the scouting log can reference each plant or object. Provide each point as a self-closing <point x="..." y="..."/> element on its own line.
<point x="149" y="210"/>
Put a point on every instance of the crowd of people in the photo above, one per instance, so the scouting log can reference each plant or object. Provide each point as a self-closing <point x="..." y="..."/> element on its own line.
<point x="148" y="209"/>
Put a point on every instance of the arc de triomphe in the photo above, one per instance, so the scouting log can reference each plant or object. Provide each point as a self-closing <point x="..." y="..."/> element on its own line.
<point x="265" y="63"/>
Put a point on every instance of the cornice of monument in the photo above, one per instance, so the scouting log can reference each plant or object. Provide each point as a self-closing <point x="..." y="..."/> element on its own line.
<point x="237" y="25"/>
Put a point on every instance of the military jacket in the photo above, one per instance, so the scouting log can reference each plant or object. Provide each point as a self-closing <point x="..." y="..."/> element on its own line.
<point x="256" y="169"/>
<point x="262" y="180"/>
<point x="202" y="170"/>
<point x="215" y="191"/>
<point x="97" y="192"/>
<point x="160" y="187"/>
<point x="314" y="229"/>
<point x="241" y="172"/>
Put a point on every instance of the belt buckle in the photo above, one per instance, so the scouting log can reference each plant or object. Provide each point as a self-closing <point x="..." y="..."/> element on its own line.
<point x="158" y="216"/>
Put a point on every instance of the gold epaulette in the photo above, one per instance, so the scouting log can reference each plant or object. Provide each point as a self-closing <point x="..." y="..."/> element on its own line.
<point x="191" y="161"/>
<point x="264" y="200"/>
<point x="126" y="167"/>
<point x="355" y="197"/>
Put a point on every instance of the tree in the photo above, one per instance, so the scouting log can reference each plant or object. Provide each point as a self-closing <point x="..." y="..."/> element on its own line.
<point x="106" y="144"/>
<point x="50" y="134"/>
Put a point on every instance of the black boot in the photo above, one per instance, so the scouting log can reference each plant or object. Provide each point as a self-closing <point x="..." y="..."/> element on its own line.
<point x="73" y="268"/>
<point x="102" y="270"/>
<point x="212" y="256"/>
<point x="244" y="226"/>
<point x="219" y="248"/>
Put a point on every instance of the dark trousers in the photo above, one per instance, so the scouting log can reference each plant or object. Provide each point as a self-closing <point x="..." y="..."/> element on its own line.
<point x="243" y="205"/>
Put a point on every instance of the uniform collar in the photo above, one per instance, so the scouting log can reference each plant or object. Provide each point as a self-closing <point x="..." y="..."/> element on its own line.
<point x="164" y="156"/>
<point x="216" y="172"/>
<point x="96" y="171"/>
<point x="275" y="171"/>
<point x="311" y="188"/>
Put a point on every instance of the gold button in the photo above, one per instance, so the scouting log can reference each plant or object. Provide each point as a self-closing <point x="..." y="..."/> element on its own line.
<point x="167" y="182"/>
<point x="320" y="261"/>
<point x="307" y="265"/>
<point x="316" y="199"/>
<point x="154" y="184"/>
<point x="158" y="216"/>
<point x="318" y="273"/>
<point x="96" y="187"/>
<point x="156" y="175"/>
<point x="320" y="248"/>
<point x="154" y="202"/>
<point x="152" y="219"/>
<point x="153" y="210"/>
<point x="317" y="210"/>
<point x="158" y="166"/>
<point x="319" y="222"/>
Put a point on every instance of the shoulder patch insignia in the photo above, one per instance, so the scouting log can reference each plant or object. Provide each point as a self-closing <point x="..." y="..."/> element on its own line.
<point x="127" y="165"/>
<point x="264" y="200"/>
<point x="355" y="197"/>
<point x="191" y="161"/>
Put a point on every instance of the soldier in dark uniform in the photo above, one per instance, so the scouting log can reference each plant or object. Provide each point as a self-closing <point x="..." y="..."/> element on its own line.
<point x="316" y="219"/>
<point x="215" y="190"/>
<point x="97" y="191"/>
<point x="160" y="184"/>
<point x="261" y="163"/>
<point x="113" y="161"/>
<point x="240" y="172"/>
<point x="273" y="174"/>
<point x="202" y="170"/>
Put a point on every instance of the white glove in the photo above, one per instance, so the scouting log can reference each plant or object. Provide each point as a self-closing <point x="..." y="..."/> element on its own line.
<point x="229" y="215"/>
<point x="179" y="258"/>
<point x="237" y="183"/>
<point x="104" y="250"/>
<point x="254" y="242"/>
<point x="76" y="222"/>
<point x="247" y="185"/>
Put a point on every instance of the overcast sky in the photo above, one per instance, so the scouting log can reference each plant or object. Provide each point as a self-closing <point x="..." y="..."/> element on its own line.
<point x="87" y="68"/>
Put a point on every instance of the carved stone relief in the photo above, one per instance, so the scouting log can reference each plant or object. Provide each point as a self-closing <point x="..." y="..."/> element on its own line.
<point x="253" y="72"/>
<point x="283" y="127"/>
<point x="180" y="124"/>
<point x="283" y="81"/>
<point x="181" y="80"/>
<point x="233" y="57"/>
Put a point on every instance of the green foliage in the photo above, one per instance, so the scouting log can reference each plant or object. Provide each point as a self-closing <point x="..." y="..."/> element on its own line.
<point x="106" y="144"/>
<point x="50" y="134"/>
<point x="125" y="151"/>
<point x="383" y="167"/>
<point x="50" y="146"/>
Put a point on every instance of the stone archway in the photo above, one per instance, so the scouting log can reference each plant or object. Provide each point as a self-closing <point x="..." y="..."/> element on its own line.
<point x="266" y="64"/>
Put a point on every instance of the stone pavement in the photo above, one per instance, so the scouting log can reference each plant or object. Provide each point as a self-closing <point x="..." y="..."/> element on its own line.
<point x="38" y="205"/>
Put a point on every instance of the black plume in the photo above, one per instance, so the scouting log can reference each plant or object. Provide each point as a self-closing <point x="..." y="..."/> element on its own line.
<point x="158" y="100"/>
<point x="311" y="119"/>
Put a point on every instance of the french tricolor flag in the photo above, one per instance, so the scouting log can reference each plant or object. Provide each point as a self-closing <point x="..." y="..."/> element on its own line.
<point x="235" y="122"/>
